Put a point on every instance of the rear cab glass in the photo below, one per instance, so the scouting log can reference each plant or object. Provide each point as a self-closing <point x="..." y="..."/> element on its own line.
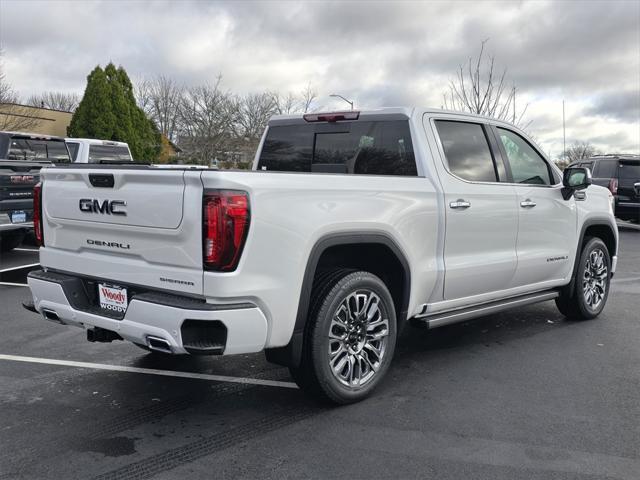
<point x="38" y="149"/>
<point x="107" y="153"/>
<point x="360" y="147"/>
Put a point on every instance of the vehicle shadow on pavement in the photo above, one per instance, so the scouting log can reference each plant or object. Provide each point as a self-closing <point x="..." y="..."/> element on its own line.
<point x="497" y="328"/>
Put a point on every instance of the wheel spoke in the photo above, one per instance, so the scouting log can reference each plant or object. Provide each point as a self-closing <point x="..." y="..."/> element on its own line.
<point x="373" y="351"/>
<point x="372" y="308"/>
<point x="338" y="366"/>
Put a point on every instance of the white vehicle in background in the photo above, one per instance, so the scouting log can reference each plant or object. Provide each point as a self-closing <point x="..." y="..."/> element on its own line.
<point x="89" y="150"/>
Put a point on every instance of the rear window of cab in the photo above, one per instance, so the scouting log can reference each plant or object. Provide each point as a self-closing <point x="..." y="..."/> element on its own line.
<point x="360" y="148"/>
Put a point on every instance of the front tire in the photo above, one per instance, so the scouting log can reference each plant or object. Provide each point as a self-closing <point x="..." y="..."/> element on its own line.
<point x="591" y="283"/>
<point x="350" y="337"/>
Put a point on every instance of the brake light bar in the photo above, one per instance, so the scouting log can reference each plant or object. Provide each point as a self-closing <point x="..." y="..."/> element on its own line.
<point x="38" y="230"/>
<point x="225" y="225"/>
<point x="331" y="116"/>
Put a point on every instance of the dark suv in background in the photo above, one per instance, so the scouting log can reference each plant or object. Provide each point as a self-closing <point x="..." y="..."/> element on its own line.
<point x="21" y="157"/>
<point x="621" y="175"/>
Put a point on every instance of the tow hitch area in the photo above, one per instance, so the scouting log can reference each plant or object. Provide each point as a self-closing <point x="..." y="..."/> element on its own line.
<point x="98" y="334"/>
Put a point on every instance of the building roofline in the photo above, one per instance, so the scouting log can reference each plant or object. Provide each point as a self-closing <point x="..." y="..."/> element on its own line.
<point x="36" y="107"/>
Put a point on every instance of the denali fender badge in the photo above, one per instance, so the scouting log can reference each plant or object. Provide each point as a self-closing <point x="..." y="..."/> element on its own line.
<point x="557" y="259"/>
<point x="109" y="207"/>
<point x="100" y="243"/>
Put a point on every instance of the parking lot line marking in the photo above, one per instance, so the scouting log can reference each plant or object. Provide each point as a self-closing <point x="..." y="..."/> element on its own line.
<point x="26" y="249"/>
<point x="149" y="371"/>
<point x="623" y="279"/>
<point x="19" y="267"/>
<point x="11" y="284"/>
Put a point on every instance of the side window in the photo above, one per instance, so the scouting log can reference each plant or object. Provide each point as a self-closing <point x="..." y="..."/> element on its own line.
<point x="466" y="150"/>
<point x="527" y="166"/>
<point x="73" y="150"/>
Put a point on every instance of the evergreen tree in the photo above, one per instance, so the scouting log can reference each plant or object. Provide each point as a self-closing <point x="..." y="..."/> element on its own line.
<point x="108" y="111"/>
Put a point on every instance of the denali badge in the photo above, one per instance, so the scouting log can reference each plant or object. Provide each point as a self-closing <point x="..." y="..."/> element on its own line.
<point x="109" y="244"/>
<point x="109" y="207"/>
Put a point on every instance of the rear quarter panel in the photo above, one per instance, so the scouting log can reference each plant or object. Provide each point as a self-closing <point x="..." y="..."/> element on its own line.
<point x="291" y="212"/>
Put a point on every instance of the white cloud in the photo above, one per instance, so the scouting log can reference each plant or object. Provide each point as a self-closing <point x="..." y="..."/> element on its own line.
<point x="379" y="53"/>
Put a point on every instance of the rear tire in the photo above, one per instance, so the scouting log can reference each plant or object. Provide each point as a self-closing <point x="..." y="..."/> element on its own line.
<point x="349" y="339"/>
<point x="11" y="240"/>
<point x="591" y="283"/>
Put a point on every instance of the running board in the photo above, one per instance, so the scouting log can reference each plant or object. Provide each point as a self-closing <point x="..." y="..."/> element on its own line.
<point x="460" y="315"/>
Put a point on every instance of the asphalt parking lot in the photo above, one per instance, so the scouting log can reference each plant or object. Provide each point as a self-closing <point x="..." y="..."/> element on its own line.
<point x="520" y="395"/>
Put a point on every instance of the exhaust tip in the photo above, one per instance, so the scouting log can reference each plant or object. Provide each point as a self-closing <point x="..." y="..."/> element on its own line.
<point x="51" y="315"/>
<point x="159" y="344"/>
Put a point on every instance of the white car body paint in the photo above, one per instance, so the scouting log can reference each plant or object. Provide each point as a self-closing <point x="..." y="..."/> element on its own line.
<point x="493" y="250"/>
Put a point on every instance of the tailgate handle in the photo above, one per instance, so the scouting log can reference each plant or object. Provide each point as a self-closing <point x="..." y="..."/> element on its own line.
<point x="101" y="180"/>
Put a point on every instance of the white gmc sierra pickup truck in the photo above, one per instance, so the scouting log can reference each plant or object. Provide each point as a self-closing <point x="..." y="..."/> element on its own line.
<point x="351" y="224"/>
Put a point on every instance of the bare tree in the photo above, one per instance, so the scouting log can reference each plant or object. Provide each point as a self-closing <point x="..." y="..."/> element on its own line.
<point x="479" y="88"/>
<point x="160" y="98"/>
<point x="13" y="116"/>
<point x="254" y="112"/>
<point x="309" y="95"/>
<point x="285" y="104"/>
<point x="575" y="152"/>
<point x="67" y="102"/>
<point x="208" y="116"/>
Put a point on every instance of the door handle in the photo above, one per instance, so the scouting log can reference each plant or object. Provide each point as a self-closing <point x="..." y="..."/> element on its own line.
<point x="460" y="203"/>
<point x="528" y="203"/>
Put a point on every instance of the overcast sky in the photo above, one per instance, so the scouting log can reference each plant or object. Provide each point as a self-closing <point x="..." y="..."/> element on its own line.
<point x="376" y="53"/>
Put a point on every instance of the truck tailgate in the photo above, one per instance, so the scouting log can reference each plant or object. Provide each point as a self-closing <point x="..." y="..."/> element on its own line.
<point x="135" y="226"/>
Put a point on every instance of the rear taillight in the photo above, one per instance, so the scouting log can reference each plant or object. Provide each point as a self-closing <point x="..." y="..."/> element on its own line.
<point x="225" y="224"/>
<point x="37" y="214"/>
<point x="613" y="185"/>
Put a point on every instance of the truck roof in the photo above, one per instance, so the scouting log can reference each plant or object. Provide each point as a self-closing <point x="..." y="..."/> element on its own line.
<point x="95" y="141"/>
<point x="39" y="136"/>
<point x="388" y="113"/>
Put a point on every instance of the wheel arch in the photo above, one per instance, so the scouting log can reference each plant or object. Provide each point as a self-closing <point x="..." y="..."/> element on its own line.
<point x="594" y="227"/>
<point x="374" y="251"/>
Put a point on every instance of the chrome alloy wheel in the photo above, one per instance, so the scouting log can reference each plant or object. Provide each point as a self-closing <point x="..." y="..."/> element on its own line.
<point x="358" y="338"/>
<point x="594" y="279"/>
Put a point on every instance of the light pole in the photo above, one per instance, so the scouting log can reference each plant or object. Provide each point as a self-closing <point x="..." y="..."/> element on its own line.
<point x="340" y="96"/>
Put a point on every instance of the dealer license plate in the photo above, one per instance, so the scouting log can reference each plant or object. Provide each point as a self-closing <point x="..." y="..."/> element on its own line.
<point x="112" y="297"/>
<point x="18" y="217"/>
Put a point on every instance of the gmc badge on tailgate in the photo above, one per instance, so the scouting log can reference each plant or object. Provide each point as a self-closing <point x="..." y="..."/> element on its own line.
<point x="109" y="207"/>
<point x="22" y="178"/>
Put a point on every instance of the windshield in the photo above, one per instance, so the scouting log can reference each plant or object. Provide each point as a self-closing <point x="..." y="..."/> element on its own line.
<point x="31" y="149"/>
<point x="101" y="153"/>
